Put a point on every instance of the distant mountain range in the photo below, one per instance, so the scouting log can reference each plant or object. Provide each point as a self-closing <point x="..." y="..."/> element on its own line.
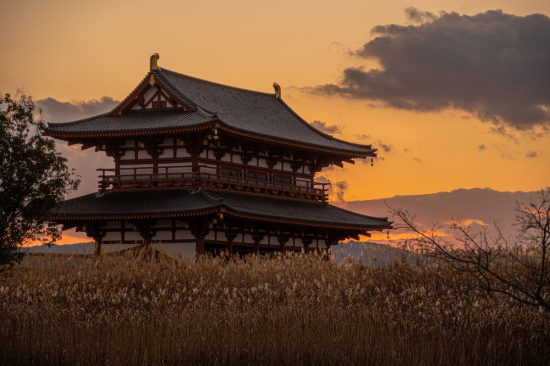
<point x="80" y="248"/>
<point x="478" y="207"/>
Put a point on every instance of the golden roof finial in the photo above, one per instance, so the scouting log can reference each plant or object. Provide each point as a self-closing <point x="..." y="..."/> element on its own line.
<point x="153" y="62"/>
<point x="277" y="88"/>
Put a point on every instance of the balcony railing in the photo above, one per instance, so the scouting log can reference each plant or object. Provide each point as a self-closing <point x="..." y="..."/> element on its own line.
<point x="174" y="177"/>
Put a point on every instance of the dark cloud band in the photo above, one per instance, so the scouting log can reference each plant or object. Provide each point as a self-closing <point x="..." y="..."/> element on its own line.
<point x="493" y="65"/>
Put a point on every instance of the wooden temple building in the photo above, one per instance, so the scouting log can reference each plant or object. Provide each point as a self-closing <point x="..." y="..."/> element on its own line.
<point x="203" y="167"/>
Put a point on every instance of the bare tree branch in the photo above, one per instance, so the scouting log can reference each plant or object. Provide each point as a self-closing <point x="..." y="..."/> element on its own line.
<point x="514" y="268"/>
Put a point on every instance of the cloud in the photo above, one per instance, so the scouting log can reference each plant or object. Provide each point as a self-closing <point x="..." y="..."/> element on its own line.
<point x="377" y="143"/>
<point x="419" y="16"/>
<point x="493" y="65"/>
<point x="340" y="189"/>
<point x="505" y="132"/>
<point x="325" y="127"/>
<point x="385" y="147"/>
<point x="57" y="111"/>
<point x="531" y="154"/>
<point x="84" y="162"/>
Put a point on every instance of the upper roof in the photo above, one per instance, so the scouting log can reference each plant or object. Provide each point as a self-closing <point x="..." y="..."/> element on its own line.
<point x="149" y="120"/>
<point x="171" y="203"/>
<point x="253" y="114"/>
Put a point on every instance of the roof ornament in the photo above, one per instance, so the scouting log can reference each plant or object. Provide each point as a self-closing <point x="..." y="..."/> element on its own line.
<point x="277" y="88"/>
<point x="153" y="62"/>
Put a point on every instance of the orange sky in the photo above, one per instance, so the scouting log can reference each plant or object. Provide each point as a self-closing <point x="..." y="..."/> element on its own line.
<point x="81" y="50"/>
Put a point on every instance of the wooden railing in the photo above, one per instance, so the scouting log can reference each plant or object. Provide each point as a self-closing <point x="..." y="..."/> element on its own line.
<point x="169" y="177"/>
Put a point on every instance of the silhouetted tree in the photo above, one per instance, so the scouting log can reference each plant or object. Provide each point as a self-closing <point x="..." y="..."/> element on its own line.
<point x="34" y="178"/>
<point x="516" y="267"/>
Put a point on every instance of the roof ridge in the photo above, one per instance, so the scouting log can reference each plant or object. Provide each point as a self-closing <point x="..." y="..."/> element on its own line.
<point x="162" y="79"/>
<point x="219" y="84"/>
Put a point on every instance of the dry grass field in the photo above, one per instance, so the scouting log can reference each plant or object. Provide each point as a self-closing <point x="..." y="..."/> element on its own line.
<point x="287" y="310"/>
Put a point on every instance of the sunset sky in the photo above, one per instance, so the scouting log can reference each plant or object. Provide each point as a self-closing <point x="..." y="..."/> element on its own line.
<point x="464" y="100"/>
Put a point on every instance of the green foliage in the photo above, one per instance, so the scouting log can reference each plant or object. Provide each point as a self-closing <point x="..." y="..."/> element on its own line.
<point x="34" y="178"/>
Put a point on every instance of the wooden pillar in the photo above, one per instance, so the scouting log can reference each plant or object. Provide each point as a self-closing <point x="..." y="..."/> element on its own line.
<point x="146" y="231"/>
<point x="331" y="239"/>
<point x="283" y="239"/>
<point x="257" y="236"/>
<point x="195" y="147"/>
<point x="230" y="234"/>
<point x="199" y="229"/>
<point x="199" y="246"/>
<point x="306" y="241"/>
<point x="94" y="231"/>
<point x="97" y="247"/>
<point x="113" y="150"/>
<point x="154" y="150"/>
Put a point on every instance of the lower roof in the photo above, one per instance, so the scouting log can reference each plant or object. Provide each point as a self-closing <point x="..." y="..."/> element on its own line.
<point x="181" y="203"/>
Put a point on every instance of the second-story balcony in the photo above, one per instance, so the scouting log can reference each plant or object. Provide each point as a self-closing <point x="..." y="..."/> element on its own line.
<point x="182" y="176"/>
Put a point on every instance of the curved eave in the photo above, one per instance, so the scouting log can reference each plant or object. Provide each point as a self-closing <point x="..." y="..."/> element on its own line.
<point x="293" y="221"/>
<point x="220" y="209"/>
<point x="368" y="152"/>
<point x="129" y="216"/>
<point x="61" y="135"/>
<point x="128" y="133"/>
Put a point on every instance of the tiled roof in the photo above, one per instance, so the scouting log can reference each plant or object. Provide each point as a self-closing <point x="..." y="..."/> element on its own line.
<point x="134" y="121"/>
<point x="253" y="111"/>
<point x="183" y="202"/>
<point x="242" y="111"/>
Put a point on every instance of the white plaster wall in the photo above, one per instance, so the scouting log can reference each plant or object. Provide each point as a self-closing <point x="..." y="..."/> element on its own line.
<point x="128" y="155"/>
<point x="184" y="234"/>
<point x="182" y="153"/>
<point x="144" y="171"/>
<point x="167" y="154"/>
<point x="112" y="235"/>
<point x="132" y="235"/>
<point x="162" y="235"/>
<point x="143" y="154"/>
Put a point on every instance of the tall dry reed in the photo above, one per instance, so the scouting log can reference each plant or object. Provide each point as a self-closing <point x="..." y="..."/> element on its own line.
<point x="287" y="310"/>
